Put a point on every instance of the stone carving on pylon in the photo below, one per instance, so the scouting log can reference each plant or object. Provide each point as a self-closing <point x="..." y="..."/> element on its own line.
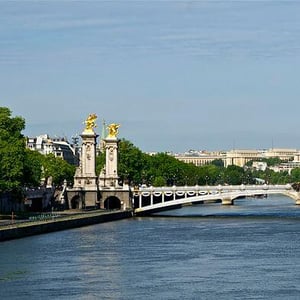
<point x="109" y="175"/>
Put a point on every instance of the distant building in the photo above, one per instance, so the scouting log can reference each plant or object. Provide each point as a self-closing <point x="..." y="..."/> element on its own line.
<point x="241" y="157"/>
<point x="283" y="154"/>
<point x="60" y="147"/>
<point x="200" y="158"/>
<point x="288" y="166"/>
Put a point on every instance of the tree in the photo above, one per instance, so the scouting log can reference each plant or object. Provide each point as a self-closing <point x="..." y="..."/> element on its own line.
<point x="234" y="174"/>
<point x="33" y="162"/>
<point x="159" y="181"/>
<point x="218" y="163"/>
<point x="21" y="167"/>
<point x="58" y="169"/>
<point x="295" y="175"/>
<point x="210" y="174"/>
<point x="12" y="151"/>
<point x="132" y="162"/>
<point x="272" y="161"/>
<point x="100" y="162"/>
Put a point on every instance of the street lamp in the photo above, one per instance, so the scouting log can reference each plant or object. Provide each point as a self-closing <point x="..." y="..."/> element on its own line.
<point x="206" y="179"/>
<point x="219" y="179"/>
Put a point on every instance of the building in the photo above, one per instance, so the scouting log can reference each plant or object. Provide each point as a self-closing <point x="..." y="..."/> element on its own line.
<point x="200" y="158"/>
<point x="239" y="157"/>
<point x="60" y="147"/>
<point x="287" y="166"/>
<point x="283" y="154"/>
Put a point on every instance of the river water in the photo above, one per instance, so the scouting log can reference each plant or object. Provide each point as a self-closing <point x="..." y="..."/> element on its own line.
<point x="247" y="251"/>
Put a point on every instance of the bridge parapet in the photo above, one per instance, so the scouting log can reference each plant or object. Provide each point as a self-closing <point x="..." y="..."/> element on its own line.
<point x="209" y="188"/>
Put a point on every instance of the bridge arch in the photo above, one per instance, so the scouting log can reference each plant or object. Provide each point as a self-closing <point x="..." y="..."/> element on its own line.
<point x="112" y="202"/>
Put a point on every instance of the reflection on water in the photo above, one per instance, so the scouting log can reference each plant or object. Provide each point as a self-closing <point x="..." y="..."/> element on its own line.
<point x="246" y="251"/>
<point x="274" y="206"/>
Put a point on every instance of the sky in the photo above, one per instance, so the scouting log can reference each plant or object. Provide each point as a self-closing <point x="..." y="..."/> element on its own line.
<point x="177" y="75"/>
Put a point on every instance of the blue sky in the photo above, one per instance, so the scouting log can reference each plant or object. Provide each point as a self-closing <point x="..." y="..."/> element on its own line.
<point x="176" y="75"/>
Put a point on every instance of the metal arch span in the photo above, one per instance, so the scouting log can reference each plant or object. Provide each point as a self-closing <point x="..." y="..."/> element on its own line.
<point x="148" y="200"/>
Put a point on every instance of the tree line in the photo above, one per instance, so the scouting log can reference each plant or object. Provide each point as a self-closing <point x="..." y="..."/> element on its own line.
<point x="162" y="169"/>
<point x="21" y="167"/>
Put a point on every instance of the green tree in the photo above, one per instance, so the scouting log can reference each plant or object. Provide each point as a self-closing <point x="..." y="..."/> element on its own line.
<point x="132" y="162"/>
<point x="100" y="162"/>
<point x="12" y="151"/>
<point x="234" y="174"/>
<point x="173" y="171"/>
<point x="295" y="175"/>
<point x="272" y="161"/>
<point x="32" y="172"/>
<point x="58" y="169"/>
<point x="218" y="163"/>
<point x="159" y="181"/>
<point x="210" y="174"/>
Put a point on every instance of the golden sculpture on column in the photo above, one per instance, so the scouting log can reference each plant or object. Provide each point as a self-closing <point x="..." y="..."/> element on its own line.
<point x="90" y="123"/>
<point x="113" y="130"/>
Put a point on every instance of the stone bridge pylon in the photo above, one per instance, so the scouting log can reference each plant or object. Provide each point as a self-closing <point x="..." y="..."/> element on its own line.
<point x="89" y="190"/>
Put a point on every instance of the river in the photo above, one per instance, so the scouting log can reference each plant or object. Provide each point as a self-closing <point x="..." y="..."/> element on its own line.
<point x="247" y="251"/>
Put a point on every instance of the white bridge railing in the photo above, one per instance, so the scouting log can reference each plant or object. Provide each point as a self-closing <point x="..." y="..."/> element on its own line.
<point x="147" y="199"/>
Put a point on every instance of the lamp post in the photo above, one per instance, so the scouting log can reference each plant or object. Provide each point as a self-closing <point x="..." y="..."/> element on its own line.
<point x="248" y="178"/>
<point x="206" y="179"/>
<point x="219" y="179"/>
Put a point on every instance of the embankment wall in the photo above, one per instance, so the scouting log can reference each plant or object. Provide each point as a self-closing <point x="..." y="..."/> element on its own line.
<point x="20" y="230"/>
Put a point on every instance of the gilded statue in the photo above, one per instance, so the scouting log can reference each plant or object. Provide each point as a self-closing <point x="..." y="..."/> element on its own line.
<point x="113" y="130"/>
<point x="90" y="123"/>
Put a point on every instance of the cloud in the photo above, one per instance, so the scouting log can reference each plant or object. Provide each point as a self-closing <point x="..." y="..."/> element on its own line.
<point x="216" y="29"/>
<point x="231" y="42"/>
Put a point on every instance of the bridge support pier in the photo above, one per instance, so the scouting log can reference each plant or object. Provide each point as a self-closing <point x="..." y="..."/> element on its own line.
<point x="227" y="201"/>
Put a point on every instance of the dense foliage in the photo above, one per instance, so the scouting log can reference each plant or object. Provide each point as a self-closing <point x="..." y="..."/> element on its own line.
<point x="57" y="168"/>
<point x="20" y="167"/>
<point x="162" y="169"/>
<point x="12" y="151"/>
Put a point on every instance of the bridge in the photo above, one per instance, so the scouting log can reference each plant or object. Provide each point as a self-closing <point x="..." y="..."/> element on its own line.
<point x="147" y="200"/>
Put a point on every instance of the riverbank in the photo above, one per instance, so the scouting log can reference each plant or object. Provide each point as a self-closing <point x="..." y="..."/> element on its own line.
<point x="63" y="222"/>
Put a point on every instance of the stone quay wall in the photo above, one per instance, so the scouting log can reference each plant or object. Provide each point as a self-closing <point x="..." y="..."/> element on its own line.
<point x="19" y="230"/>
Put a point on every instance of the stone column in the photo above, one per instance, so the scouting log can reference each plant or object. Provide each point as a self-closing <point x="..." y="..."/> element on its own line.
<point x="111" y="165"/>
<point x="227" y="201"/>
<point x="88" y="160"/>
<point x="85" y="176"/>
<point x="85" y="179"/>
